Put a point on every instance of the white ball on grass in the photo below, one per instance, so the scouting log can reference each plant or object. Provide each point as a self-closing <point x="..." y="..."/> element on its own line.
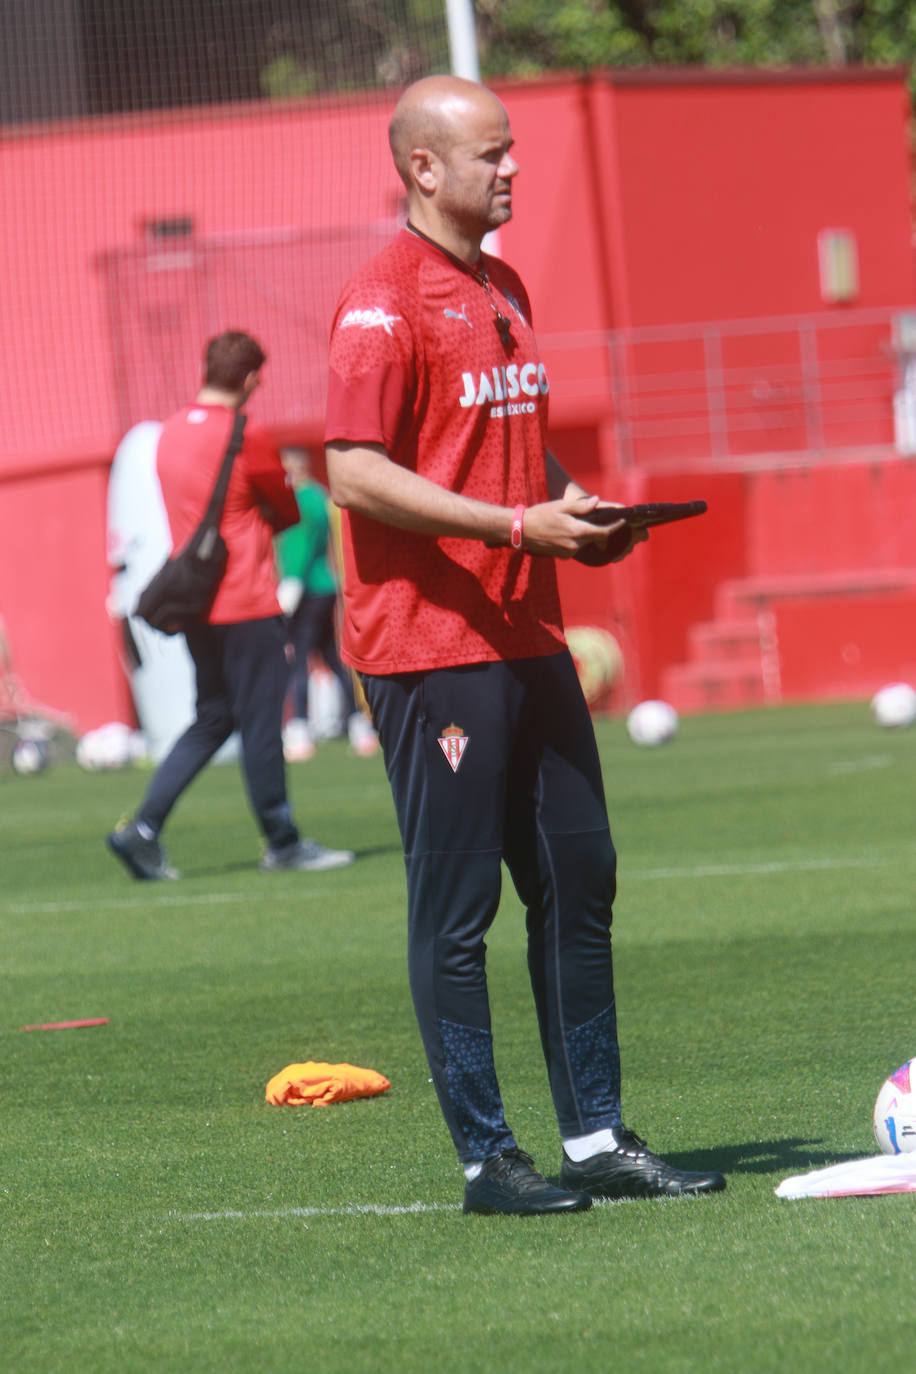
<point x="652" y="723"/>
<point x="29" y="756"/>
<point x="108" y="747"/>
<point x="894" y="707"/>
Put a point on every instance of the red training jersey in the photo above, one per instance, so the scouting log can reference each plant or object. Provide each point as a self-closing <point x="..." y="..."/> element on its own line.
<point x="418" y="366"/>
<point x="259" y="501"/>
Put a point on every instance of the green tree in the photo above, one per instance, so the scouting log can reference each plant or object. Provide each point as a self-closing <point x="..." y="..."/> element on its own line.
<point x="525" y="37"/>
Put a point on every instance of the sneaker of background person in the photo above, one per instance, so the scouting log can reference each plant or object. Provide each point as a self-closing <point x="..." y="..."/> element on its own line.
<point x="362" y="736"/>
<point x="298" y="744"/>
<point x="305" y="856"/>
<point x="143" y="856"/>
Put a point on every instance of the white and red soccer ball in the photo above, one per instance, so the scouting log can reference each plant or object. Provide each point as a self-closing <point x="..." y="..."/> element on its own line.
<point x="895" y="1112"/>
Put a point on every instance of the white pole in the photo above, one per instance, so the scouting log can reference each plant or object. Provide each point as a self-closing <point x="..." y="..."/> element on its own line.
<point x="462" y="39"/>
<point x="462" y="42"/>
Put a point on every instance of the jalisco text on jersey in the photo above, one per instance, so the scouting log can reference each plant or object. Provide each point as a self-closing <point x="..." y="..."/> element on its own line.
<point x="504" y="383"/>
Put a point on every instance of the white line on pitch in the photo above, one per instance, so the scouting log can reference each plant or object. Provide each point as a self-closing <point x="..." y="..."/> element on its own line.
<point x="120" y="904"/>
<point x="861" y="765"/>
<point x="741" y="870"/>
<point x="353" y="1209"/>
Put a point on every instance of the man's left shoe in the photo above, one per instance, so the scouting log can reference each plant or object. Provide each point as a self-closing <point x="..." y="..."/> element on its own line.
<point x="305" y="856"/>
<point x="631" y="1170"/>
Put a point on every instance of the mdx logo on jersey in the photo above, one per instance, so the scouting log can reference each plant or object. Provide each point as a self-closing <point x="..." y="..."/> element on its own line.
<point x="501" y="388"/>
<point x="376" y="318"/>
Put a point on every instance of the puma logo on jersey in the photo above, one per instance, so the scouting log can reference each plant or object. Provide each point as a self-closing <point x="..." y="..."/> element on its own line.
<point x="505" y="384"/>
<point x="455" y="315"/>
<point x="375" y="318"/>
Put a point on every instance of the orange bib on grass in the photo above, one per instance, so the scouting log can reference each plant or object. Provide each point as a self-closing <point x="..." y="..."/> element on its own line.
<point x="322" y="1084"/>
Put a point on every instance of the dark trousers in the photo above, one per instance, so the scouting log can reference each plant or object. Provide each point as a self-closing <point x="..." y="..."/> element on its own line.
<point x="313" y="629"/>
<point x="242" y="675"/>
<point x="493" y="762"/>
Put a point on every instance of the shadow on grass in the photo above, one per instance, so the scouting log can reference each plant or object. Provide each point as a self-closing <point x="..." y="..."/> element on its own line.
<point x="216" y="870"/>
<point x="793" y="1155"/>
<point x="790" y="1156"/>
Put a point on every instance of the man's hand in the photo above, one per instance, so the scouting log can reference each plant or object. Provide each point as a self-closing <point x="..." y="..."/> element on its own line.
<point x="557" y="528"/>
<point x="622" y="540"/>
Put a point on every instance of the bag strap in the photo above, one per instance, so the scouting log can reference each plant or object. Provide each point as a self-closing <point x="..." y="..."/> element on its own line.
<point x="214" y="510"/>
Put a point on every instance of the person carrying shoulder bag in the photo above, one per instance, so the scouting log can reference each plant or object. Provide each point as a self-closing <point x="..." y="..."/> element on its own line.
<point x="239" y="645"/>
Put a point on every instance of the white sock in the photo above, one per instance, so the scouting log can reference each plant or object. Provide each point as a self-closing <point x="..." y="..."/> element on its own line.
<point x="471" y="1171"/>
<point x="579" y="1147"/>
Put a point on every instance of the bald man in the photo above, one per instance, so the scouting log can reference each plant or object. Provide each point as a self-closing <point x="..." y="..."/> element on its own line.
<point x="454" y="512"/>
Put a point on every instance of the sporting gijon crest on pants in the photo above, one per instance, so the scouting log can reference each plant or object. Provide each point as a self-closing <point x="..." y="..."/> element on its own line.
<point x="453" y="742"/>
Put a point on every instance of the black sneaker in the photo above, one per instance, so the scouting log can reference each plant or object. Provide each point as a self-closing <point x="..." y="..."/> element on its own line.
<point x="510" y="1183"/>
<point x="631" y="1170"/>
<point x="143" y="858"/>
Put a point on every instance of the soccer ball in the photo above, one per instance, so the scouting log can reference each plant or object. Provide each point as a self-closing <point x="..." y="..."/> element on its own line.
<point x="29" y="756"/>
<point x="895" y="1112"/>
<point x="652" y="723"/>
<point x="894" y="706"/>
<point x="108" y="747"/>
<point x="598" y="660"/>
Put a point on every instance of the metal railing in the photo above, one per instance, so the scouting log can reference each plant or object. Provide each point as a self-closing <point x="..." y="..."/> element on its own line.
<point x="730" y="391"/>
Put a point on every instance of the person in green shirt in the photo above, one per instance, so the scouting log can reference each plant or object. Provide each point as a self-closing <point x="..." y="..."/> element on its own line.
<point x="308" y="592"/>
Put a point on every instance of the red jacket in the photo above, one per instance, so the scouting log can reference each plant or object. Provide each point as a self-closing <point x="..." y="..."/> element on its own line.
<point x="259" y="502"/>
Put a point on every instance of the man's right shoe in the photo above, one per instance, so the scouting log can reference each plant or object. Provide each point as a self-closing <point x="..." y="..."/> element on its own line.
<point x="305" y="856"/>
<point x="142" y="857"/>
<point x="632" y="1170"/>
<point x="509" y="1183"/>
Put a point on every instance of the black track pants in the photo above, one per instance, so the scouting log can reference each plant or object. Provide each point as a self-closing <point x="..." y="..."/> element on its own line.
<point x="242" y="675"/>
<point x="492" y="762"/>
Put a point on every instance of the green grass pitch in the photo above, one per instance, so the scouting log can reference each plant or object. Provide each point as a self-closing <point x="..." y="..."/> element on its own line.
<point x="157" y="1215"/>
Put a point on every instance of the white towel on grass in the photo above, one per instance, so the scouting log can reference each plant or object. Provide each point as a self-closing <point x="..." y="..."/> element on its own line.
<point x="855" y="1178"/>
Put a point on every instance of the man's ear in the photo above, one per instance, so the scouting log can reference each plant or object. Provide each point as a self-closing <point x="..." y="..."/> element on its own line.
<point x="425" y="170"/>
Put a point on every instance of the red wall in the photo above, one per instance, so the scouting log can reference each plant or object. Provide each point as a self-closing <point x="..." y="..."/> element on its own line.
<point x="642" y="199"/>
<point x="859" y="517"/>
<point x="723" y="186"/>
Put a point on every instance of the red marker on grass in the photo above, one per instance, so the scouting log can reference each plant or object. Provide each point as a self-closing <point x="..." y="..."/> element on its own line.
<point x="69" y="1025"/>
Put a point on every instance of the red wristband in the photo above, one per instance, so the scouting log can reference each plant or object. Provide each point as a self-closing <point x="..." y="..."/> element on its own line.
<point x="515" y="537"/>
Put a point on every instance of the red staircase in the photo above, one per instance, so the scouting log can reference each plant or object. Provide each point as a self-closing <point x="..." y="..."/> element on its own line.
<point x="724" y="669"/>
<point x="796" y="636"/>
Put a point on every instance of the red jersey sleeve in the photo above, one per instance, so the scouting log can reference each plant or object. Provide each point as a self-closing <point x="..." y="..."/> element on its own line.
<point x="372" y="374"/>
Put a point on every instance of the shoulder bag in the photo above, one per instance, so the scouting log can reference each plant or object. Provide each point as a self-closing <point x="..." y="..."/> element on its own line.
<point x="183" y="590"/>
